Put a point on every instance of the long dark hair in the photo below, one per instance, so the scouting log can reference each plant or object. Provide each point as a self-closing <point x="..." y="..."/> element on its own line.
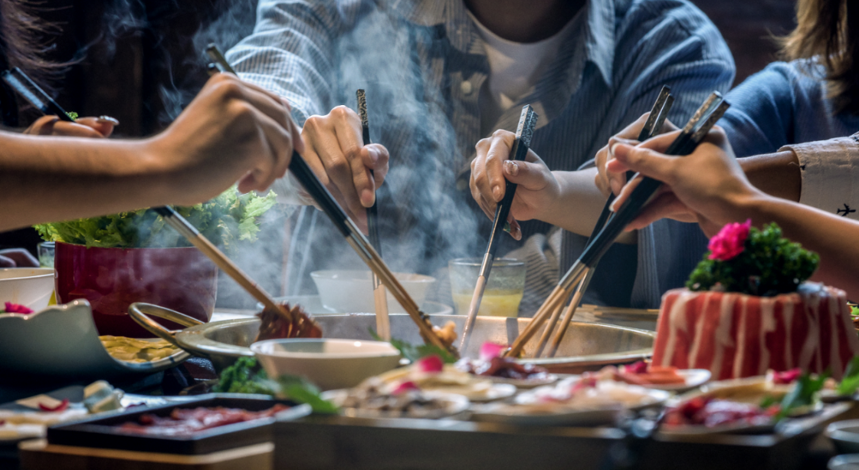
<point x="828" y="30"/>
<point x="20" y="46"/>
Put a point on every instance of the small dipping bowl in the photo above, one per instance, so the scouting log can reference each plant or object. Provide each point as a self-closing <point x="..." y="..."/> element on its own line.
<point x="329" y="363"/>
<point x="30" y="287"/>
<point x="345" y="291"/>
<point x="503" y="292"/>
<point x="845" y="436"/>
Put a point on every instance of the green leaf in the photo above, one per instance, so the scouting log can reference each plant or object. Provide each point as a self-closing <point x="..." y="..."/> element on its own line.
<point x="804" y="393"/>
<point x="414" y="353"/>
<point x="301" y="390"/>
<point x="850" y="383"/>
<point x="72" y="115"/>
<point x="245" y="376"/>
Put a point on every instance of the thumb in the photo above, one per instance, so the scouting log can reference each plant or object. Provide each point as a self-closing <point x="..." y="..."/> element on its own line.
<point x="645" y="161"/>
<point x="527" y="175"/>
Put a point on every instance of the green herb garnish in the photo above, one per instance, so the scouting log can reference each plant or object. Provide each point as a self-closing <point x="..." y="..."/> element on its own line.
<point x="224" y="220"/>
<point x="302" y="390"/>
<point x="803" y="394"/>
<point x="854" y="310"/>
<point x="245" y="376"/>
<point x="850" y="383"/>
<point x="768" y="265"/>
<point x="72" y="115"/>
<point x="413" y="353"/>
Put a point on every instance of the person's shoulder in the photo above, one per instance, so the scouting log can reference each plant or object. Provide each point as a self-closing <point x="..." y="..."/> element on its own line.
<point x="798" y="78"/>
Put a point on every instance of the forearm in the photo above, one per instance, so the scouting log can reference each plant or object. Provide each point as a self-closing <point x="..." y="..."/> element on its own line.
<point x="777" y="174"/>
<point x="832" y="237"/>
<point x="579" y="204"/>
<point x="51" y="179"/>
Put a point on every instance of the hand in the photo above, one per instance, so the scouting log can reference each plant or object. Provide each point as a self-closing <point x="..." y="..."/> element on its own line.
<point x="17" y="258"/>
<point x="231" y="131"/>
<point x="609" y="182"/>
<point x="96" y="127"/>
<point x="337" y="154"/>
<point x="492" y="168"/>
<point x="707" y="186"/>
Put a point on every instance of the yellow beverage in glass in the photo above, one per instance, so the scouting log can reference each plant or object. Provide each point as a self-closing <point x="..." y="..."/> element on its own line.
<point x="493" y="304"/>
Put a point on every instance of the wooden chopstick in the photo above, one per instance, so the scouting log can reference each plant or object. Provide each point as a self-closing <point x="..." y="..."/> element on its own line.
<point x="695" y="130"/>
<point x="350" y="231"/>
<point x="658" y="115"/>
<point x="380" y="298"/>
<point x="524" y="133"/>
<point x="219" y="258"/>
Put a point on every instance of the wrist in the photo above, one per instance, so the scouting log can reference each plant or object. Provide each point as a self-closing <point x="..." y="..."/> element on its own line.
<point x="158" y="168"/>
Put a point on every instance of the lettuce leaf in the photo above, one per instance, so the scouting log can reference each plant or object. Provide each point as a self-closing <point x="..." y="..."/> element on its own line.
<point x="224" y="220"/>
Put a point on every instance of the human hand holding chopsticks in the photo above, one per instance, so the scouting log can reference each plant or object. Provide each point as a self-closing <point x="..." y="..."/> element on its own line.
<point x="336" y="152"/>
<point x="707" y="186"/>
<point x="610" y="182"/>
<point x="492" y="168"/>
<point x="94" y="127"/>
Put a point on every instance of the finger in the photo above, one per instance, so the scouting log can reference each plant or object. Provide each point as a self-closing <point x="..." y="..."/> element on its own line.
<point x="73" y="129"/>
<point x="613" y="180"/>
<point x="515" y="229"/>
<point x="646" y="161"/>
<point x="485" y="206"/>
<point x="42" y="126"/>
<point x="663" y="206"/>
<point x="104" y="125"/>
<point x="347" y="128"/>
<point x="527" y="175"/>
<point x="499" y="152"/>
<point x="377" y="158"/>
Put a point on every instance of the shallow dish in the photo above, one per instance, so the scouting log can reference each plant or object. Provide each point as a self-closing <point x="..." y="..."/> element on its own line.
<point x="61" y="342"/>
<point x="453" y="405"/>
<point x="345" y="291"/>
<point x="845" y="435"/>
<point x="328" y="363"/>
<point x="31" y="287"/>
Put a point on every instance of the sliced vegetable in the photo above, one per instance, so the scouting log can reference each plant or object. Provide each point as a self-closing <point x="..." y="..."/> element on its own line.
<point x="61" y="407"/>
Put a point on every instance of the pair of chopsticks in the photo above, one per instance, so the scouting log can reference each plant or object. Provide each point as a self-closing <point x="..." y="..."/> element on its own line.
<point x="692" y="134"/>
<point x="37" y="97"/>
<point x="27" y="88"/>
<point x="654" y="122"/>
<point x="350" y="231"/>
<point x="524" y="133"/>
<point x="383" y="322"/>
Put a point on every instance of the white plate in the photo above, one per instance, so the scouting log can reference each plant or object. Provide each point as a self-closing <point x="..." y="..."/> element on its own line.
<point x="694" y="378"/>
<point x="498" y="391"/>
<point x="559" y="416"/>
<point x="453" y="405"/>
<point x="523" y="383"/>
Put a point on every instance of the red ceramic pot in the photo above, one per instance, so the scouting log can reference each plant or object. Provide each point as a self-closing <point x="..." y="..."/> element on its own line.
<point x="111" y="279"/>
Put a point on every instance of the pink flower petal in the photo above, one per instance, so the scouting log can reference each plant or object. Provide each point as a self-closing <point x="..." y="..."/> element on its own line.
<point x="16" y="308"/>
<point x="405" y="387"/>
<point x="786" y="377"/>
<point x="430" y="364"/>
<point x="490" y="350"/>
<point x="730" y="241"/>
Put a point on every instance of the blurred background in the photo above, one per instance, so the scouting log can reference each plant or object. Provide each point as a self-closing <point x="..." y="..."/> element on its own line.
<point x="140" y="62"/>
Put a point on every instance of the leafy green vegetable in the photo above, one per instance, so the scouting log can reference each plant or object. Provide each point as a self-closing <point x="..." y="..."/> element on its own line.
<point x="803" y="394"/>
<point x="769" y="265"/>
<point x="854" y="310"/>
<point x="301" y="390"/>
<point x="72" y="115"/>
<point x="223" y="220"/>
<point x="850" y="383"/>
<point x="245" y="376"/>
<point x="413" y="353"/>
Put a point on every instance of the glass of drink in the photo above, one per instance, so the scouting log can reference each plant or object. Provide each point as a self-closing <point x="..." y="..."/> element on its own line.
<point x="46" y="254"/>
<point x="504" y="288"/>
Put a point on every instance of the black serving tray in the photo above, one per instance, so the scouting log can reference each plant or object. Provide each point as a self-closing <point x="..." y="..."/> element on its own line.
<point x="101" y="432"/>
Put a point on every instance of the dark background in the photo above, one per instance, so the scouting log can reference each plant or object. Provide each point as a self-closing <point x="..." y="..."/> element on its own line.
<point x="139" y="60"/>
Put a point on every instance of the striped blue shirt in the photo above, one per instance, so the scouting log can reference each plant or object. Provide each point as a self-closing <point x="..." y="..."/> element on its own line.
<point x="423" y="63"/>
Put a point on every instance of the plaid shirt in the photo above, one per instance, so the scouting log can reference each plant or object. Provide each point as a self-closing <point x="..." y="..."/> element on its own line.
<point x="423" y="64"/>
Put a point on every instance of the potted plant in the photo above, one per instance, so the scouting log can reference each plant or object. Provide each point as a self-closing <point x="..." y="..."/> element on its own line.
<point x="747" y="308"/>
<point x="113" y="261"/>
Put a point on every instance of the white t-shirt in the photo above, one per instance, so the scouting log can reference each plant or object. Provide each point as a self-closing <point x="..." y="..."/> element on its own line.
<point x="515" y="68"/>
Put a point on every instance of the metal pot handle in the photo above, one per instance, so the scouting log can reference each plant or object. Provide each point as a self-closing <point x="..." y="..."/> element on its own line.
<point x="137" y="309"/>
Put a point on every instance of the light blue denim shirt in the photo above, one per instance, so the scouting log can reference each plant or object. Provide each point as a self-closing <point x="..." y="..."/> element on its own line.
<point x="423" y="64"/>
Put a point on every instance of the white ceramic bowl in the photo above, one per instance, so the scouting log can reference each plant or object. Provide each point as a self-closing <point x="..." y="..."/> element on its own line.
<point x="352" y="291"/>
<point x="31" y="287"/>
<point x="329" y="363"/>
<point x="845" y="435"/>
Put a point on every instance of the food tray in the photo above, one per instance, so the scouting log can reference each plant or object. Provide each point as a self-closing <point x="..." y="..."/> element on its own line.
<point x="336" y="442"/>
<point x="99" y="432"/>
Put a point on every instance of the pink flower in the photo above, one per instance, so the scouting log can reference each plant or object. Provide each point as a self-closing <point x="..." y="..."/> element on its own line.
<point x="490" y="350"/>
<point x="430" y="364"/>
<point x="730" y="241"/>
<point x="15" y="308"/>
<point x="786" y="377"/>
